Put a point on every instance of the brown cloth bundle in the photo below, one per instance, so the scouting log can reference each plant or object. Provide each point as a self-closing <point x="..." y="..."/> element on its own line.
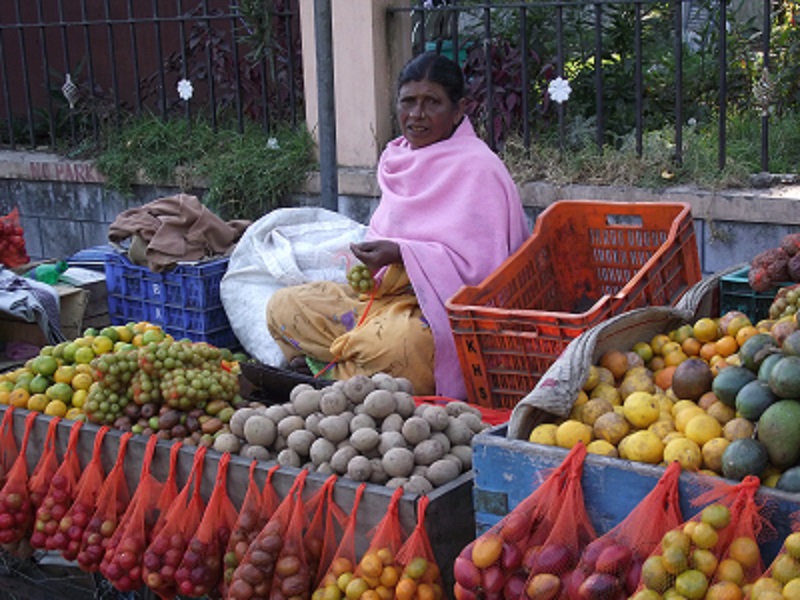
<point x="174" y="229"/>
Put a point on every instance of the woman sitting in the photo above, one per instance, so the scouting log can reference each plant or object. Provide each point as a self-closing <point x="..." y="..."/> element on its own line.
<point x="448" y="216"/>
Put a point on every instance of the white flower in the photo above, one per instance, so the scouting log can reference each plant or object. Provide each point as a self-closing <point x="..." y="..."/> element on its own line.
<point x="272" y="144"/>
<point x="559" y="90"/>
<point x="185" y="89"/>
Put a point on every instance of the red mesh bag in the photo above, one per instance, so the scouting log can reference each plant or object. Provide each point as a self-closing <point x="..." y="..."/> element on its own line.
<point x="378" y="566"/>
<point x="112" y="502"/>
<point x="83" y="502"/>
<point x="12" y="241"/>
<point x="169" y="491"/>
<point x="16" y="509"/>
<point x="345" y="558"/>
<point x="614" y="560"/>
<point x="783" y="574"/>
<point x="165" y="552"/>
<point x="328" y="525"/>
<point x="253" y="577"/>
<point x="252" y="517"/>
<point x="58" y="499"/>
<point x="321" y="508"/>
<point x="200" y="569"/>
<point x="718" y="546"/>
<point x="497" y="559"/>
<point x="122" y="561"/>
<point x="46" y="466"/>
<point x="420" y="576"/>
<point x="8" y="444"/>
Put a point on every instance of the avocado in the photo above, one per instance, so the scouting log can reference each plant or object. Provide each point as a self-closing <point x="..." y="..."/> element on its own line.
<point x="743" y="457"/>
<point x="729" y="381"/>
<point x="753" y="399"/>
<point x="789" y="481"/>
<point x="784" y="378"/>
<point x="779" y="430"/>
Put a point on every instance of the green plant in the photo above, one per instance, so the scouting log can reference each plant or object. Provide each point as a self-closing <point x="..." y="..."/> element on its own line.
<point x="246" y="174"/>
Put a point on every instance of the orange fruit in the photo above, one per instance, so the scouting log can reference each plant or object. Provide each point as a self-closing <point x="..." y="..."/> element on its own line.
<point x="38" y="402"/>
<point x="745" y="550"/>
<point x="730" y="570"/>
<point x="615" y="361"/>
<point x="405" y="590"/>
<point x="19" y="397"/>
<point x="674" y="358"/>
<point x="82" y="381"/>
<point x="56" y="408"/>
<point x="708" y="351"/>
<point x="724" y="590"/>
<point x="691" y="584"/>
<point x="64" y="374"/>
<point x="681" y="333"/>
<point x="706" y="330"/>
<point x="726" y="345"/>
<point x="663" y="377"/>
<point x="691" y="346"/>
<point x="371" y="565"/>
<point x="736" y="324"/>
<point x="744" y="334"/>
<point x="656" y="363"/>
<point x="658" y="342"/>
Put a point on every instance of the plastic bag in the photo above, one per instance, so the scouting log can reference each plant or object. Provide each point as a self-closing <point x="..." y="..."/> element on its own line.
<point x="16" y="510"/>
<point x="256" y="509"/>
<point x="200" y="569"/>
<point x="614" y="560"/>
<point x="345" y="558"/>
<point x="82" y="506"/>
<point x="253" y="577"/>
<point x="169" y="491"/>
<point x="718" y="545"/>
<point x="58" y="499"/>
<point x="112" y="502"/>
<point x="420" y="577"/>
<point x="165" y="552"/>
<point x="122" y="560"/>
<point x="497" y="559"/>
<point x="8" y="444"/>
<point x="45" y="468"/>
<point x="12" y="241"/>
<point x="379" y="562"/>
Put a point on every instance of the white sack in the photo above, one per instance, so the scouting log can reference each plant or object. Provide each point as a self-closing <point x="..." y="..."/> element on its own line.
<point x="287" y="246"/>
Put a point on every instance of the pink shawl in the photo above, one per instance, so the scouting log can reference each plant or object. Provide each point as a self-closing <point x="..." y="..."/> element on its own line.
<point x="456" y="214"/>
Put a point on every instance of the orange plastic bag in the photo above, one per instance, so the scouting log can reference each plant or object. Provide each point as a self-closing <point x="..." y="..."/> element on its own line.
<point x="257" y="507"/>
<point x="253" y="577"/>
<point x="58" y="499"/>
<point x="614" y="560"/>
<point x="8" y="444"/>
<point x="165" y="552"/>
<point x="169" y="491"/>
<point x="200" y="570"/>
<point x="717" y="549"/>
<point x="345" y="558"/>
<point x="421" y="577"/>
<point x="82" y="505"/>
<point x="16" y="509"/>
<point x="122" y="561"/>
<point x="378" y="566"/>
<point x="12" y="241"/>
<point x="46" y="466"/>
<point x="499" y="558"/>
<point x="112" y="502"/>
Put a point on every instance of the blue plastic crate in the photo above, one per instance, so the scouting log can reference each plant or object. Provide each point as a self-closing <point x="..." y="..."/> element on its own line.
<point x="735" y="293"/>
<point x="196" y="286"/>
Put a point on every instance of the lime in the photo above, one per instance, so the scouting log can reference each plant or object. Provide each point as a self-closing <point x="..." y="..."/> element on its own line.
<point x="44" y="364"/>
<point x="38" y="385"/>
<point x="111" y="333"/>
<point x="84" y="355"/>
<point x="60" y="391"/>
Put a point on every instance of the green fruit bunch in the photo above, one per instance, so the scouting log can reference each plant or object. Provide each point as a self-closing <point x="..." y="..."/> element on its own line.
<point x="360" y="279"/>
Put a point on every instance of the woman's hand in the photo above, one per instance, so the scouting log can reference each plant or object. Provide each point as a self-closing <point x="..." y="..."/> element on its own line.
<point x="377" y="254"/>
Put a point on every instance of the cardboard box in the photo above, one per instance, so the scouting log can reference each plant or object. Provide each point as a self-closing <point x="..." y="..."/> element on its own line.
<point x="72" y="301"/>
<point x="94" y="282"/>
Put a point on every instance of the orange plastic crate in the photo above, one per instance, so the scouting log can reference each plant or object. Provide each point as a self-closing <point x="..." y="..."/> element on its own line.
<point x="584" y="262"/>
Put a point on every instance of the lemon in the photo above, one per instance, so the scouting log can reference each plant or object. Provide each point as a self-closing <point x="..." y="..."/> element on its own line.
<point x="603" y="448"/>
<point x="642" y="446"/>
<point x="82" y="381"/>
<point x="38" y="402"/>
<point x="571" y="431"/>
<point x="102" y="345"/>
<point x="702" y="428"/>
<point x="75" y="414"/>
<point x="79" y="398"/>
<point x="56" y="408"/>
<point x="686" y="452"/>
<point x="544" y="433"/>
<point x="124" y="333"/>
<point x="64" y="374"/>
<point x="641" y="409"/>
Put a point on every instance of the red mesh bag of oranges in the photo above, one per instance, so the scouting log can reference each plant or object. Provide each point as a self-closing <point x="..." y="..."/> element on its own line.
<point x="165" y="552"/>
<point x="46" y="466"/>
<point x="59" y="495"/>
<point x="611" y="564"/>
<point x="12" y="241"/>
<point x="168" y="493"/>
<point x="82" y="505"/>
<point x="495" y="564"/>
<point x="16" y="509"/>
<point x="8" y="444"/>
<point x="782" y="577"/>
<point x="420" y="576"/>
<point x="122" y="561"/>
<point x="339" y="573"/>
<point x="112" y="502"/>
<point x="321" y="536"/>
<point x="714" y="555"/>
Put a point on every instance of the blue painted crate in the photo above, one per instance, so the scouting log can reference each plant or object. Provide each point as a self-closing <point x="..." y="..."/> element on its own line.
<point x="507" y="471"/>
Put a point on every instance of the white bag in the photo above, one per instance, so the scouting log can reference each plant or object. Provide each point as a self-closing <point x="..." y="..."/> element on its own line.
<point x="287" y="246"/>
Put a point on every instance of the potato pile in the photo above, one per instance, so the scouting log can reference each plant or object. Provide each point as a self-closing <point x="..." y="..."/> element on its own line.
<point x="363" y="428"/>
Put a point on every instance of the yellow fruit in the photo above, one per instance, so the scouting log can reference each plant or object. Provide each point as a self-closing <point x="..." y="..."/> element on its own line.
<point x="82" y="381"/>
<point x="124" y="333"/>
<point x="717" y="515"/>
<point x="691" y="584"/>
<point x="544" y="433"/>
<point x="611" y="427"/>
<point x="654" y="575"/>
<point x="712" y="452"/>
<point x="684" y="416"/>
<point x="702" y="428"/>
<point x="745" y="550"/>
<point x="791" y="590"/>
<point x="594" y="408"/>
<point x="792" y="544"/>
<point x="592" y="379"/>
<point x="663" y="427"/>
<point x="153" y="335"/>
<point x="102" y="345"/>
<point x="602" y="448"/>
<point x="737" y="428"/>
<point x="64" y="374"/>
<point x="56" y="408"/>
<point x="642" y="446"/>
<point x="658" y="342"/>
<point x="644" y="350"/>
<point x="38" y="402"/>
<point x="785" y="568"/>
<point x="706" y="330"/>
<point x="685" y="451"/>
<point x="75" y="414"/>
<point x="79" y="398"/>
<point x="721" y="412"/>
<point x="704" y="536"/>
<point x="19" y="397"/>
<point x="641" y="409"/>
<point x="607" y="391"/>
<point x="704" y="560"/>
<point x="674" y="559"/>
<point x="570" y="432"/>
<point x="84" y="355"/>
<point x="764" y="587"/>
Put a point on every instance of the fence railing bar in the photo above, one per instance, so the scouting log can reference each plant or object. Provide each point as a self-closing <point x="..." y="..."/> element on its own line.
<point x="112" y="56"/>
<point x="562" y="124"/>
<point x="187" y="106"/>
<point x="598" y="76"/>
<point x="212" y="90"/>
<point x="526" y="126"/>
<point x="160" y="56"/>
<point x="25" y="79"/>
<point x="67" y="64"/>
<point x="135" y="58"/>
<point x="89" y="65"/>
<point x="767" y="7"/>
<point x="290" y="65"/>
<point x="637" y="77"/>
<point x="51" y="119"/>
<point x="238" y="77"/>
<point x="7" y="93"/>
<point x="488" y="55"/>
<point x="723" y="81"/>
<point x="678" y="82"/>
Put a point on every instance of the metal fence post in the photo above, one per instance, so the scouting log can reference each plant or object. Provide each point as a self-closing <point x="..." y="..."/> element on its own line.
<point x="329" y="188"/>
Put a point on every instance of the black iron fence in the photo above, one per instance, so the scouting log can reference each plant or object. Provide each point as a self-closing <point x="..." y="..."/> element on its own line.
<point x="70" y="67"/>
<point x="612" y="71"/>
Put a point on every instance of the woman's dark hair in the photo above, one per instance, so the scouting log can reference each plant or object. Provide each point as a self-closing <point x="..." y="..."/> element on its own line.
<point x="438" y="69"/>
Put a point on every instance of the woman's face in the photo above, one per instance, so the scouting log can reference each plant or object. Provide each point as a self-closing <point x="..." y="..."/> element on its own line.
<point x="426" y="113"/>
